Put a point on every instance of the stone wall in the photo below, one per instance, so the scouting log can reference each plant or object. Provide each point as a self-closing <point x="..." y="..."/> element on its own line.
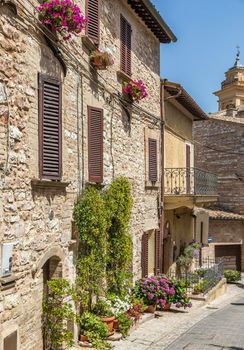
<point x="228" y="231"/>
<point x="222" y="154"/>
<point x="37" y="218"/>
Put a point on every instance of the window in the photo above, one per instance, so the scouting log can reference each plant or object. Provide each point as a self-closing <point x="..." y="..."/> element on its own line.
<point x="10" y="342"/>
<point x="95" y="144"/>
<point x="153" y="163"/>
<point x="125" y="37"/>
<point x="6" y="259"/>
<point x="93" y="26"/>
<point x="152" y="157"/>
<point x="50" y="128"/>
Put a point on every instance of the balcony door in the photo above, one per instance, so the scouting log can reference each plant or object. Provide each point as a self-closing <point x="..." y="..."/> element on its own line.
<point x="188" y="169"/>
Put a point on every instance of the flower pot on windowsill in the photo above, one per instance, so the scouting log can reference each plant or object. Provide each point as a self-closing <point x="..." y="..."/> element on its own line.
<point x="98" y="63"/>
<point x="151" y="309"/>
<point x="109" y="321"/>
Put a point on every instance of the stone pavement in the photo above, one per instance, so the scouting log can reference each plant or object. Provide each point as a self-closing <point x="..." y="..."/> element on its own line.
<point x="216" y="326"/>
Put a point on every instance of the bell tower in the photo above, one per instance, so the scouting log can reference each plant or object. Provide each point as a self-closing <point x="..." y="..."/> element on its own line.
<point x="231" y="95"/>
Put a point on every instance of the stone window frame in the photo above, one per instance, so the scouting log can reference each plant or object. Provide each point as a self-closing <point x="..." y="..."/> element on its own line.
<point x="152" y="134"/>
<point x="8" y="330"/>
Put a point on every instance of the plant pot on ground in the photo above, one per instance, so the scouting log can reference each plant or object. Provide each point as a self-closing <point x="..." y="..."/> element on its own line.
<point x="151" y="309"/>
<point x="94" y="329"/>
<point x="104" y="312"/>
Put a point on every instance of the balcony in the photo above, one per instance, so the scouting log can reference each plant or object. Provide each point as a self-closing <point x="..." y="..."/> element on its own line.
<point x="193" y="185"/>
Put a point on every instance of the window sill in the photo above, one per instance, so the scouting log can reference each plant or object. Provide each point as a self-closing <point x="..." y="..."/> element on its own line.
<point x="7" y="282"/>
<point x="152" y="185"/>
<point x="89" y="43"/>
<point x="122" y="76"/>
<point x="47" y="184"/>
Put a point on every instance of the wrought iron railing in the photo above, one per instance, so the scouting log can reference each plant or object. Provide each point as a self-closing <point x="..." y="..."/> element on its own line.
<point x="192" y="181"/>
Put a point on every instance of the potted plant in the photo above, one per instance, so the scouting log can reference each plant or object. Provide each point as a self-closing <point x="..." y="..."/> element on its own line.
<point x="118" y="307"/>
<point x="62" y="16"/>
<point x="104" y="311"/>
<point x="135" y="90"/>
<point x="93" y="330"/>
<point x="199" y="287"/>
<point x="101" y="59"/>
<point x="124" y="324"/>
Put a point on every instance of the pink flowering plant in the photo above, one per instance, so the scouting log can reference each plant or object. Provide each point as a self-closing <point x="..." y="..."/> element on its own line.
<point x="62" y="16"/>
<point x="135" y="90"/>
<point x="159" y="290"/>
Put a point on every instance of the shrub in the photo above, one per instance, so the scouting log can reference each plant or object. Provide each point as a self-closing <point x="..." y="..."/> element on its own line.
<point x="232" y="275"/>
<point x="58" y="312"/>
<point x="200" y="287"/>
<point x="125" y="324"/>
<point x="95" y="330"/>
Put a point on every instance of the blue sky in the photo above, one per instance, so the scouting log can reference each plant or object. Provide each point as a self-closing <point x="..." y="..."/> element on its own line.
<point x="208" y="32"/>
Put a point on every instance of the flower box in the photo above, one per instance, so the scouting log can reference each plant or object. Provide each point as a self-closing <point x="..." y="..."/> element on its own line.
<point x="134" y="90"/>
<point x="62" y="16"/>
<point x="101" y="59"/>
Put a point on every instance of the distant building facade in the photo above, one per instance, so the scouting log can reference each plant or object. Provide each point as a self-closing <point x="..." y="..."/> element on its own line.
<point x="220" y="149"/>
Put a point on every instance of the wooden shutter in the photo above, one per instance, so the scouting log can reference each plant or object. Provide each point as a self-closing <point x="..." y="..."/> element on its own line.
<point x="158" y="252"/>
<point x="93" y="26"/>
<point x="95" y="144"/>
<point x="153" y="161"/>
<point x="50" y="128"/>
<point x="125" y="37"/>
<point x="10" y="342"/>
<point x="144" y="255"/>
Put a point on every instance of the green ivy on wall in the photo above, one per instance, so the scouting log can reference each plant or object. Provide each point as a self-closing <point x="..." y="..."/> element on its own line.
<point x="102" y="218"/>
<point x="119" y="202"/>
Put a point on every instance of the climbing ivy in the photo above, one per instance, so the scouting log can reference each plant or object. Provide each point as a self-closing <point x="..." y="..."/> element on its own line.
<point x="91" y="219"/>
<point x="102" y="218"/>
<point x="57" y="313"/>
<point x="119" y="202"/>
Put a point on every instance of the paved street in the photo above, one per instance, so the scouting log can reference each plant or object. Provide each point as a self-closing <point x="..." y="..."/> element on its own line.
<point x="217" y="326"/>
<point x="222" y="330"/>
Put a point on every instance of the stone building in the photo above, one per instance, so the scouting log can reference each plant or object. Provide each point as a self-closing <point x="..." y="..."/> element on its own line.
<point x="186" y="188"/>
<point x="219" y="148"/>
<point x="64" y="124"/>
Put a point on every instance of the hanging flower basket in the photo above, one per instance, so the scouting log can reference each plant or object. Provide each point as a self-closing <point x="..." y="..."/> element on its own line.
<point x="135" y="90"/>
<point x="62" y="16"/>
<point x="101" y="59"/>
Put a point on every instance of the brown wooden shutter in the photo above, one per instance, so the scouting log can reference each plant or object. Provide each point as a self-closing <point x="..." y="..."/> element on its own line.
<point x="50" y="128"/>
<point x="95" y="144"/>
<point x="158" y="252"/>
<point x="10" y="342"/>
<point x="93" y="26"/>
<point x="153" y="161"/>
<point x="144" y="255"/>
<point x="125" y="37"/>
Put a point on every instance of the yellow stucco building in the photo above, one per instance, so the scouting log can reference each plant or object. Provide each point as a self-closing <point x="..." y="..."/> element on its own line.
<point x="186" y="188"/>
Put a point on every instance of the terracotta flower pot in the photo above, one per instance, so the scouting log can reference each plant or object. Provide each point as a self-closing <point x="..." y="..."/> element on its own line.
<point x="98" y="63"/>
<point x="116" y="324"/>
<point x="167" y="307"/>
<point x="109" y="321"/>
<point x="83" y="338"/>
<point x="150" y="309"/>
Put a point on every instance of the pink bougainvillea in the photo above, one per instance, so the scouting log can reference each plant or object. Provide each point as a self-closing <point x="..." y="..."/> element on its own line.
<point x="62" y="16"/>
<point x="136" y="90"/>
